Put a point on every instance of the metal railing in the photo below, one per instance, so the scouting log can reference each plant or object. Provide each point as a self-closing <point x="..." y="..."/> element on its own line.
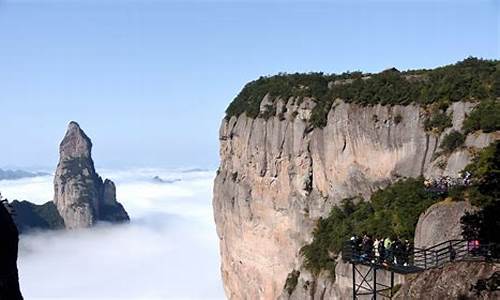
<point x="417" y="260"/>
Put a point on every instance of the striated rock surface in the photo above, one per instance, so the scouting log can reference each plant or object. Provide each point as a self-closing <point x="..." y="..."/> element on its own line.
<point x="80" y="195"/>
<point x="9" y="238"/>
<point x="451" y="281"/>
<point x="278" y="176"/>
<point x="441" y="222"/>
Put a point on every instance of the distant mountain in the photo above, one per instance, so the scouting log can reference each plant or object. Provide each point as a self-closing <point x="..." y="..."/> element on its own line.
<point x="18" y="174"/>
<point x="30" y="216"/>
<point x="158" y="179"/>
<point x="193" y="170"/>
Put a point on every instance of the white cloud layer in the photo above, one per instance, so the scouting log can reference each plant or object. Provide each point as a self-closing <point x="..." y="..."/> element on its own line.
<point x="168" y="251"/>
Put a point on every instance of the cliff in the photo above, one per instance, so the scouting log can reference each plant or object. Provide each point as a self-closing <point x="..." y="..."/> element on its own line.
<point x="280" y="172"/>
<point x="9" y="238"/>
<point x="453" y="281"/>
<point x="80" y="195"/>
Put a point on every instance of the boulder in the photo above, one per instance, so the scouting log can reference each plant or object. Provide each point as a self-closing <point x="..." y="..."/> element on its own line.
<point x="441" y="222"/>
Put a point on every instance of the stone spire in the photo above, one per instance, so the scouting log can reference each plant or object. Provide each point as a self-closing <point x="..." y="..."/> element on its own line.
<point x="75" y="143"/>
<point x="79" y="192"/>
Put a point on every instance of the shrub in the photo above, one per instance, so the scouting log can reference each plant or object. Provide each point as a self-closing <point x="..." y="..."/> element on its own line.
<point x="269" y="111"/>
<point x="456" y="193"/>
<point x="398" y="118"/>
<point x="319" y="115"/>
<point x="485" y="170"/>
<point x="485" y="116"/>
<point x="484" y="193"/>
<point x="452" y="141"/>
<point x="496" y="82"/>
<point x="442" y="163"/>
<point x="291" y="281"/>
<point x="438" y="121"/>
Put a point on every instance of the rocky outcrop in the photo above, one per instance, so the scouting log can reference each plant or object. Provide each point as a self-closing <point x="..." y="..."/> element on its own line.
<point x="451" y="281"/>
<point x="80" y="195"/>
<point x="30" y="216"/>
<point x="9" y="238"/>
<point x="441" y="222"/>
<point x="111" y="210"/>
<point x="278" y="176"/>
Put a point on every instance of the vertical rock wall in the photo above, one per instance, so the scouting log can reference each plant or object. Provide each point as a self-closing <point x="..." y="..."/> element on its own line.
<point x="277" y="177"/>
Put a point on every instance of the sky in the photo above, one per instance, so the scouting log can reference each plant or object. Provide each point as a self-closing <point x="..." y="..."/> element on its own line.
<point x="149" y="80"/>
<point x="169" y="250"/>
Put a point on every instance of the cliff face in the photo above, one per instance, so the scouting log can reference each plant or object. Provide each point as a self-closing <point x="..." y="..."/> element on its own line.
<point x="80" y="195"/>
<point x="278" y="176"/>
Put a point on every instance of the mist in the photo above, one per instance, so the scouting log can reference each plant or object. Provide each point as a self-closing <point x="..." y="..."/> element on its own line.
<point x="169" y="250"/>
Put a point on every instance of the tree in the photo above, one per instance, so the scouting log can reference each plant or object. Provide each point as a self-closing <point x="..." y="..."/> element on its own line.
<point x="452" y="141"/>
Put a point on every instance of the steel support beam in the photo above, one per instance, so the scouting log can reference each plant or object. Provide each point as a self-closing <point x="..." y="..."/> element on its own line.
<point x="368" y="285"/>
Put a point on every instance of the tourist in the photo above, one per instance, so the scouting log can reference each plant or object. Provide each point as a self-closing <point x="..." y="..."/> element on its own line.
<point x="388" y="249"/>
<point x="375" y="248"/>
<point x="367" y="247"/>
<point x="398" y="251"/>
<point x="381" y="250"/>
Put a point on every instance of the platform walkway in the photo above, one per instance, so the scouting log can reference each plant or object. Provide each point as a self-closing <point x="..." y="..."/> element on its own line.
<point x="415" y="261"/>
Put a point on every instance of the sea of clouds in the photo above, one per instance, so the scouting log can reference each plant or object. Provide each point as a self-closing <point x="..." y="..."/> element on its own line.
<point x="168" y="251"/>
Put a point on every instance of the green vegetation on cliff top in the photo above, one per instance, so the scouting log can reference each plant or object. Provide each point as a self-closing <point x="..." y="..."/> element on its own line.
<point x="471" y="79"/>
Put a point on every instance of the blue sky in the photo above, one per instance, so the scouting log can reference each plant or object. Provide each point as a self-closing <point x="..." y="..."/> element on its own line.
<point x="149" y="80"/>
